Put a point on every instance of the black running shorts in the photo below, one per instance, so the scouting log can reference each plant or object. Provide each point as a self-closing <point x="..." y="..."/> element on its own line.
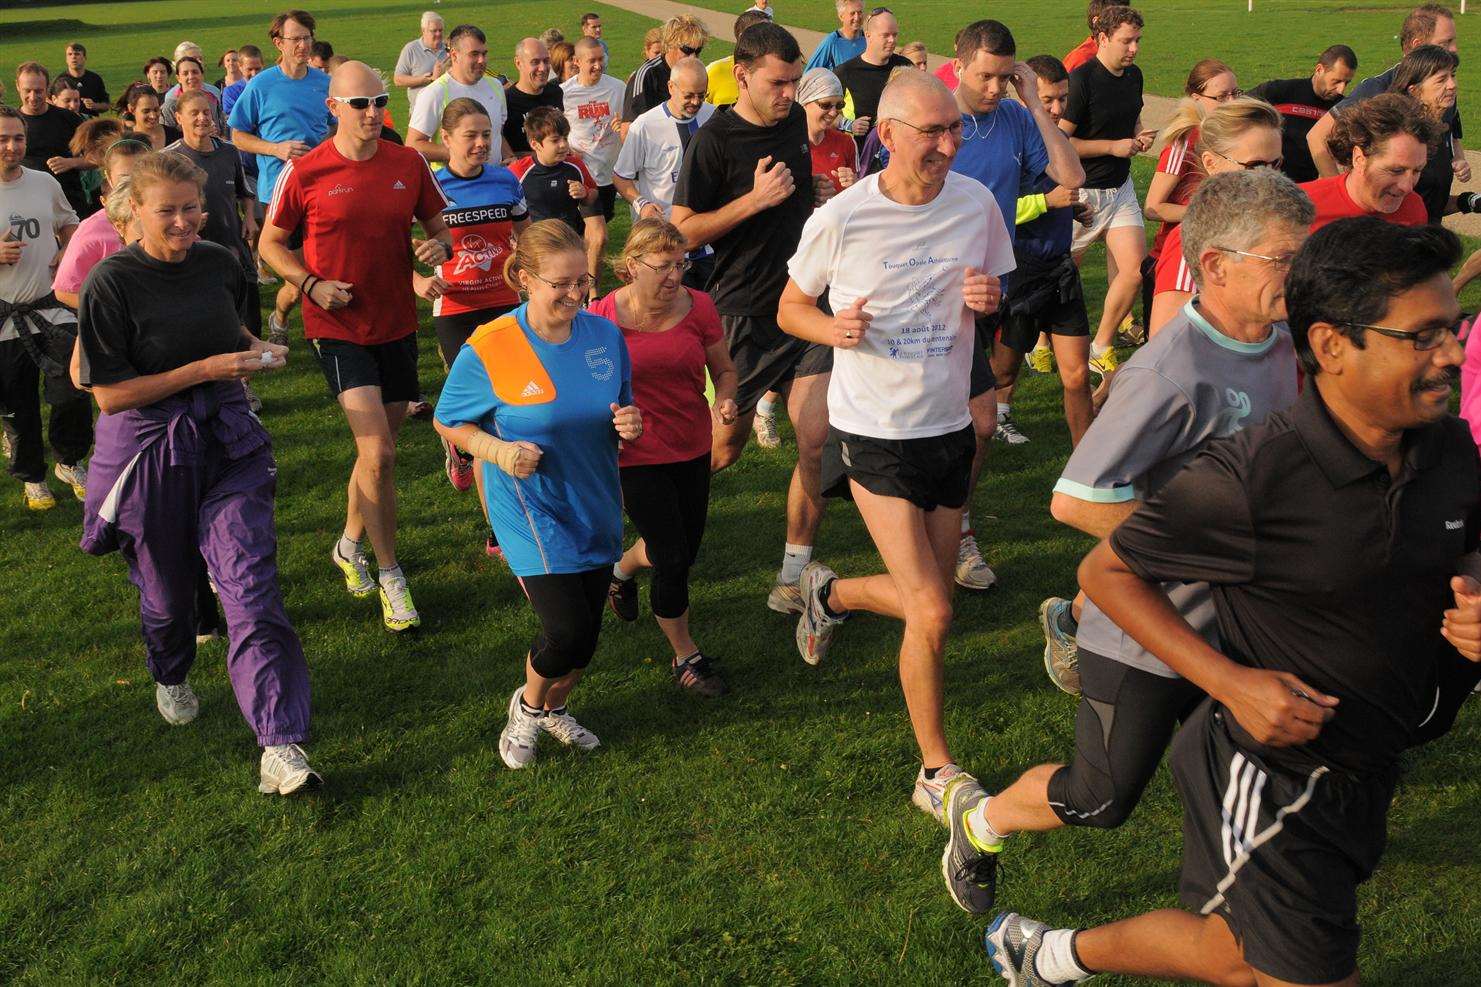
<point x="766" y="359"/>
<point x="390" y="366"/>
<point x="930" y="472"/>
<point x="983" y="379"/>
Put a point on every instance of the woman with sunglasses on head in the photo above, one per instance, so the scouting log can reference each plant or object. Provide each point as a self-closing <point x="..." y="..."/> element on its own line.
<point x="1238" y="135"/>
<point x="673" y="336"/>
<point x="835" y="155"/>
<point x="139" y="107"/>
<point x="542" y="397"/>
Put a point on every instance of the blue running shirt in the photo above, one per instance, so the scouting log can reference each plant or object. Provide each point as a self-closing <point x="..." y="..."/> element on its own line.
<point x="277" y="108"/>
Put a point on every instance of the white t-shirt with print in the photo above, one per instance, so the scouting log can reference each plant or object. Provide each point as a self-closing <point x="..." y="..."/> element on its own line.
<point x="653" y="151"/>
<point x="33" y="210"/>
<point x="593" y="112"/>
<point x="434" y="97"/>
<point x="910" y="377"/>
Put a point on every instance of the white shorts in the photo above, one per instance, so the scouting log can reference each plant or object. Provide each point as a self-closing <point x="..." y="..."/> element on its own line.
<point x="1111" y="208"/>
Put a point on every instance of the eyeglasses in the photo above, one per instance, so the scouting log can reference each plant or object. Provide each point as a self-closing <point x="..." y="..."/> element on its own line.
<point x="1283" y="262"/>
<point x="296" y="39"/>
<point x="363" y="102"/>
<point x="933" y="134"/>
<point x="827" y="107"/>
<point x="1221" y="97"/>
<point x="664" y="270"/>
<point x="1430" y="338"/>
<point x="691" y="51"/>
<point x="582" y="284"/>
<point x="1252" y="165"/>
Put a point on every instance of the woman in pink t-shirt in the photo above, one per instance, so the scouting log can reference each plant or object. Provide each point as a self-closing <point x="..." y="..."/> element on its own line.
<point x="98" y="235"/>
<point x="673" y="336"/>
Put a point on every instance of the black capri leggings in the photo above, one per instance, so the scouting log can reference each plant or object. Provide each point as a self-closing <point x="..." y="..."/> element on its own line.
<point x="669" y="503"/>
<point x="453" y="330"/>
<point x="1124" y="722"/>
<point x="569" y="606"/>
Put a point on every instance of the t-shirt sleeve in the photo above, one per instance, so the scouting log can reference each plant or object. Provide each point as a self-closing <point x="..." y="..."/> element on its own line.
<point x="424" y="115"/>
<point x="403" y="61"/>
<point x="431" y="200"/>
<point x="586" y="179"/>
<point x="628" y="115"/>
<point x="997" y="251"/>
<point x="630" y="156"/>
<point x="1170" y="161"/>
<point x="241" y="177"/>
<point x="1077" y="106"/>
<point x="1144" y="422"/>
<point x="104" y="331"/>
<point x="467" y="394"/>
<point x="1035" y="154"/>
<point x="287" y="207"/>
<point x="700" y="175"/>
<point x="707" y="319"/>
<point x="243" y="115"/>
<point x="61" y="209"/>
<point x="81" y="255"/>
<point x="1198" y="527"/>
<point x="811" y="267"/>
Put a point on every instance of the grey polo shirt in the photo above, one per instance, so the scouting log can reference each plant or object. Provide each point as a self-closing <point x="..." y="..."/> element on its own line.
<point x="417" y="59"/>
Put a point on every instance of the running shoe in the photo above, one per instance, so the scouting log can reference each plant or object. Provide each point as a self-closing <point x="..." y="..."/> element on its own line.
<point x="285" y="770"/>
<point x="928" y="794"/>
<point x="208" y="624"/>
<point x="459" y="470"/>
<point x="697" y="675"/>
<point x="493" y="550"/>
<point x="815" y="627"/>
<point x="277" y="332"/>
<point x="1008" y="432"/>
<point x="7" y="437"/>
<point x="1106" y="363"/>
<point x="971" y="571"/>
<point x="970" y="870"/>
<point x="561" y="725"/>
<point x="764" y="425"/>
<point x="75" y="477"/>
<point x="419" y="409"/>
<point x="38" y="497"/>
<point x="1040" y="360"/>
<point x="178" y="704"/>
<point x="398" y="613"/>
<point x="1130" y="332"/>
<point x="357" y="572"/>
<point x="1061" y="654"/>
<point x="1013" y="943"/>
<point x="265" y="275"/>
<point x="622" y="599"/>
<point x="784" y="597"/>
<point x="520" y="735"/>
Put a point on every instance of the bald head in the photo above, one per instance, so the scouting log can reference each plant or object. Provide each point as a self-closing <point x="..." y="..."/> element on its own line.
<point x="910" y="95"/>
<point x="689" y="73"/>
<point x="355" y="79"/>
<point x="532" y="59"/>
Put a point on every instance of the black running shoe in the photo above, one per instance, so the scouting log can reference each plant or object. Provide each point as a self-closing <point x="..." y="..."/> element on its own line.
<point x="696" y="674"/>
<point x="622" y="599"/>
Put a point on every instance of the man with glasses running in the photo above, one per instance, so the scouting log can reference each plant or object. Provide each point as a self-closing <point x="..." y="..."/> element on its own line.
<point x="355" y="198"/>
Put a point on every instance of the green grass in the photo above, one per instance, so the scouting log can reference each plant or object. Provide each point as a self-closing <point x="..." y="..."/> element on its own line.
<point x="766" y="838"/>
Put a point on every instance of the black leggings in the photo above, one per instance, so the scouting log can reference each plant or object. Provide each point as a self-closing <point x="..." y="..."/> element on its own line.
<point x="453" y="330"/>
<point x="669" y="503"/>
<point x="569" y="606"/>
<point x="1124" y="722"/>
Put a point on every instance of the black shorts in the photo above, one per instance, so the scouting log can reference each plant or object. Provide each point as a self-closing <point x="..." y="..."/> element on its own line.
<point x="1278" y="854"/>
<point x="983" y="379"/>
<point x="390" y="366"/>
<point x="930" y="472"/>
<point x="1050" y="309"/>
<point x="604" y="205"/>
<point x="453" y="330"/>
<point x="767" y="359"/>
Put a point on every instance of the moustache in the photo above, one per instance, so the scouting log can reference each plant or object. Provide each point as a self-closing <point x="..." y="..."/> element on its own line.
<point x="1445" y="380"/>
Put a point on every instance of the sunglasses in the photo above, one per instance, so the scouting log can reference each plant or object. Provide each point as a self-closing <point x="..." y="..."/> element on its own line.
<point x="1252" y="165"/>
<point x="363" y="102"/>
<point x="691" y="52"/>
<point x="828" y="107"/>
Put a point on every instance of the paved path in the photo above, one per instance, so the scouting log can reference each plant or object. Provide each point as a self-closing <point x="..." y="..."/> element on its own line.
<point x="1157" y="109"/>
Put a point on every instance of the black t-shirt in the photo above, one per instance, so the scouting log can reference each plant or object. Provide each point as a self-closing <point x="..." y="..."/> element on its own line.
<point x="520" y="103"/>
<point x="140" y="316"/>
<point x="1434" y="182"/>
<point x="225" y="184"/>
<point x="646" y="88"/>
<point x="1323" y="566"/>
<point x="547" y="190"/>
<point x="866" y="82"/>
<point x="1104" y="107"/>
<point x="719" y="167"/>
<point x="90" y="86"/>
<point x="1300" y="108"/>
<point x="47" y="136"/>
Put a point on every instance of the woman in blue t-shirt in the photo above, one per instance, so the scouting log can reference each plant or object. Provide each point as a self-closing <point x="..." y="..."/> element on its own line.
<point x="542" y="396"/>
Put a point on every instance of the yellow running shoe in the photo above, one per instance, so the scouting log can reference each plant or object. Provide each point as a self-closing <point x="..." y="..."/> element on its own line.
<point x="39" y="497"/>
<point x="1040" y="360"/>
<point x="357" y="572"/>
<point x="1106" y="363"/>
<point x="397" y="610"/>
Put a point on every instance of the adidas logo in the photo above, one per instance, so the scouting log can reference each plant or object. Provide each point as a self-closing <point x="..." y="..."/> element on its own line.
<point x="398" y="185"/>
<point x="532" y="390"/>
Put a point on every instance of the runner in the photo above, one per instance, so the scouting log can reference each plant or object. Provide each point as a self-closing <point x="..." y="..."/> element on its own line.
<point x="422" y="59"/>
<point x="1384" y="142"/>
<point x="486" y="211"/>
<point x="900" y="437"/>
<point x="834" y="154"/>
<point x="838" y="46"/>
<point x="593" y="107"/>
<point x="139" y="107"/>
<point x="1239" y="135"/>
<point x="1336" y="652"/>
<point x="49" y="131"/>
<point x="557" y="184"/>
<point x="1427" y="74"/>
<point x="1302" y="102"/>
<point x="184" y="471"/>
<point x="746" y="188"/>
<point x="157" y="72"/>
<point x="533" y="89"/>
<point x="64" y="94"/>
<point x="673" y="337"/>
<point x="464" y="78"/>
<point x="548" y="377"/>
<point x="591" y="27"/>
<point x="191" y="72"/>
<point x="89" y="83"/>
<point x="36" y="332"/>
<point x="231" y="69"/>
<point x="723" y="90"/>
<point x="1225" y="363"/>
<point x="355" y="198"/>
<point x="864" y="76"/>
<point x="1104" y="121"/>
<point x="683" y="37"/>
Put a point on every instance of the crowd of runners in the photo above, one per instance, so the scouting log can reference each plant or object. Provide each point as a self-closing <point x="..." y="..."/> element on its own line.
<point x="1284" y="596"/>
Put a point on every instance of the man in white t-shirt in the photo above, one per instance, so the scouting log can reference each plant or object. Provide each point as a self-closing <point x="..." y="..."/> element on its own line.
<point x="907" y="257"/>
<point x="593" y="105"/>
<point x="468" y="51"/>
<point x="648" y="167"/>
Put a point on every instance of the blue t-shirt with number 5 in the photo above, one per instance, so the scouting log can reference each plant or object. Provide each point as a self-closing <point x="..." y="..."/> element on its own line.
<point x="567" y="516"/>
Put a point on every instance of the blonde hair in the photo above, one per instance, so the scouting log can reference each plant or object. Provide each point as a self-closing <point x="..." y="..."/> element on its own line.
<point x="536" y="244"/>
<point x="684" y="30"/>
<point x="648" y="236"/>
<point x="1220" y="127"/>
<point x="119" y="205"/>
<point x="910" y="50"/>
<point x="163" y="168"/>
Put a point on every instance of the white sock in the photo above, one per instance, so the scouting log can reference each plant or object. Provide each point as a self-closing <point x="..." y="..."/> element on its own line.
<point x="618" y="573"/>
<point x="793" y="559"/>
<point x="1056" y="961"/>
<point x="765" y="406"/>
<point x="1096" y="349"/>
<point x="980" y="829"/>
<point x="1004" y="410"/>
<point x="387" y="573"/>
<point x="966" y="522"/>
<point x="348" y="547"/>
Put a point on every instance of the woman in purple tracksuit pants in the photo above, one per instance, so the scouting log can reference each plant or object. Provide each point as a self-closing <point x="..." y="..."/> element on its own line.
<point x="183" y="470"/>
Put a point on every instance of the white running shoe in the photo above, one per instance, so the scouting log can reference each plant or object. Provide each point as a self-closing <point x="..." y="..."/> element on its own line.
<point x="74" y="477"/>
<point x="815" y="627"/>
<point x="398" y="613"/>
<point x="971" y="571"/>
<point x="767" y="436"/>
<point x="357" y="572"/>
<point x="563" y="727"/>
<point x="178" y="704"/>
<point x="277" y="332"/>
<point x="784" y="597"/>
<point x="285" y="770"/>
<point x="1008" y="432"/>
<point x="38" y="497"/>
<point x="520" y="735"/>
<point x="928" y="794"/>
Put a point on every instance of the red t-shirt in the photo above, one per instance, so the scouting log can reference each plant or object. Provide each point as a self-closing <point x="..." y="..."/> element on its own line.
<point x="1080" y="54"/>
<point x="356" y="220"/>
<point x="668" y="372"/>
<point x="1332" y="202"/>
<point x="1178" y="159"/>
<point x="1172" y="269"/>
<point x="837" y="150"/>
<point x="947" y="74"/>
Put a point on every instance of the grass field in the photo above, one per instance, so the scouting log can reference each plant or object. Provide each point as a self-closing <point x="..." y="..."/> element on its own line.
<point x="766" y="838"/>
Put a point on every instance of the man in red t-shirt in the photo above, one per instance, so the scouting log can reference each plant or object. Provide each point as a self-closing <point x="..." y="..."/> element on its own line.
<point x="1085" y="50"/>
<point x="354" y="198"/>
<point x="1384" y="144"/>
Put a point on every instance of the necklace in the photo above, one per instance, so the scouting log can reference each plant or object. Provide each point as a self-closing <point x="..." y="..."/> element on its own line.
<point x="640" y="322"/>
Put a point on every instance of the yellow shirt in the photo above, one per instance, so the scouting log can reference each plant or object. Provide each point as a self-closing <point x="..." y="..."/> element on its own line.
<point x="723" y="88"/>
